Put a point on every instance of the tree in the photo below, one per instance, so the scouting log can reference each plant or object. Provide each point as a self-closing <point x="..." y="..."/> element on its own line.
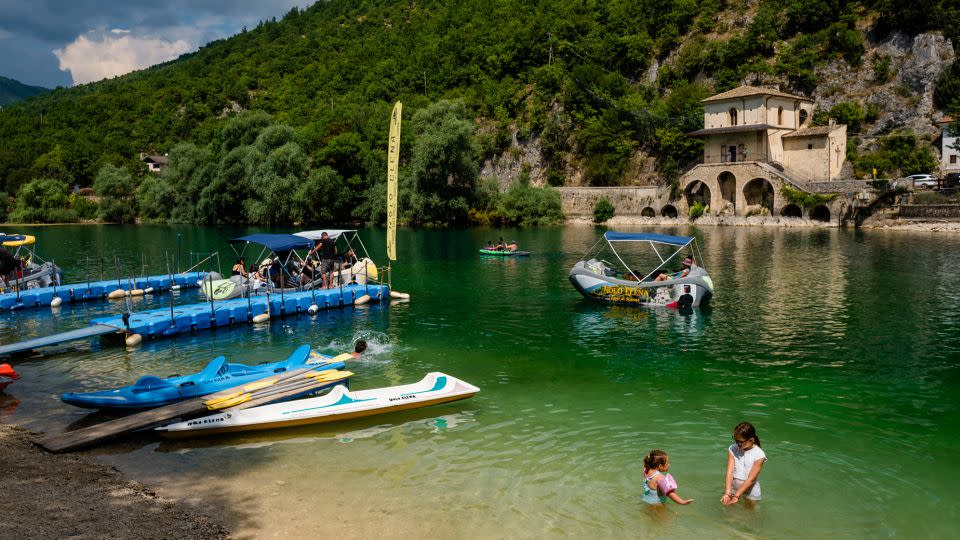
<point x="442" y="167"/>
<point x="156" y="199"/>
<point x="45" y="201"/>
<point x="116" y="187"/>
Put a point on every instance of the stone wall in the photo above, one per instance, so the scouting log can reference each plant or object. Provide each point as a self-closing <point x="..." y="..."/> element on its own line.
<point x="627" y="201"/>
<point x="930" y="211"/>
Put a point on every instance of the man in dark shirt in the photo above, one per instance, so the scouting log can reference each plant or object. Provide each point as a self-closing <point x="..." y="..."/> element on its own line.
<point x="328" y="253"/>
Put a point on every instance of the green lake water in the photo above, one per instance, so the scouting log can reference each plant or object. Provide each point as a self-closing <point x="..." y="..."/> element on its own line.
<point x="842" y="347"/>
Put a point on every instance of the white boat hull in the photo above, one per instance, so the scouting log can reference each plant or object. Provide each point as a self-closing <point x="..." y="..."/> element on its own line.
<point x="694" y="290"/>
<point x="339" y="404"/>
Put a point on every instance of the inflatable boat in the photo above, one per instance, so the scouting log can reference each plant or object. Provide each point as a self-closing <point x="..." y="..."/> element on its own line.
<point x="602" y="281"/>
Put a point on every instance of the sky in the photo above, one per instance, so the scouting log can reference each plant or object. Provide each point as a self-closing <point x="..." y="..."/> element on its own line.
<point x="54" y="43"/>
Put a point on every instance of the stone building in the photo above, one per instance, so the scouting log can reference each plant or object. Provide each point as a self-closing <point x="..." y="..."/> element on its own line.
<point x="755" y="141"/>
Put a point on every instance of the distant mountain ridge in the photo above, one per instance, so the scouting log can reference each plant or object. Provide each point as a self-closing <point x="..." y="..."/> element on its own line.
<point x="12" y="91"/>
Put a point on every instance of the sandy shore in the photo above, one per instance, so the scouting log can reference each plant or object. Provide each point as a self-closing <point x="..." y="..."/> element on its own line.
<point x="70" y="496"/>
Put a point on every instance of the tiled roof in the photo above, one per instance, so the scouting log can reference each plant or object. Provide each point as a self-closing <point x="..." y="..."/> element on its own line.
<point x="731" y="129"/>
<point x="162" y="160"/>
<point x="745" y="91"/>
<point x="818" y="131"/>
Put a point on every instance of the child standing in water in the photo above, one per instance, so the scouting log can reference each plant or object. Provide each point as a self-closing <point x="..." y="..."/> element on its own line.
<point x="657" y="484"/>
<point x="745" y="459"/>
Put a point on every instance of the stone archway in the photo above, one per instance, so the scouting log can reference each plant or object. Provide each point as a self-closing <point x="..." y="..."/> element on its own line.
<point x="669" y="211"/>
<point x="758" y="194"/>
<point x="791" y="210"/>
<point x="648" y="212"/>
<point x="697" y="192"/>
<point x="728" y="191"/>
<point x="820" y="213"/>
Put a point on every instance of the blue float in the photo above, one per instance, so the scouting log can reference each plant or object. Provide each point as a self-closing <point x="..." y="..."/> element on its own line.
<point x="94" y="290"/>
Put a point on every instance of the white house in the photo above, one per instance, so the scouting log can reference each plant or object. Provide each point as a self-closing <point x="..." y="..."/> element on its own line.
<point x="949" y="148"/>
<point x="155" y="164"/>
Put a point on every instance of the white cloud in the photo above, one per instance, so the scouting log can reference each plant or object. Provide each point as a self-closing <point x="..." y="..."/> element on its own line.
<point x="119" y="31"/>
<point x="102" y="56"/>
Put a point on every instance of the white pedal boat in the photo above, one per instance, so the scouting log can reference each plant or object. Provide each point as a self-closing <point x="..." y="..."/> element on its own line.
<point x="339" y="404"/>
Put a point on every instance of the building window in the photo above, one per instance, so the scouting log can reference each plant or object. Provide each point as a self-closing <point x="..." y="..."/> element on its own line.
<point x="779" y="116"/>
<point x="953" y="160"/>
<point x="809" y="146"/>
<point x="803" y="117"/>
<point x="733" y="116"/>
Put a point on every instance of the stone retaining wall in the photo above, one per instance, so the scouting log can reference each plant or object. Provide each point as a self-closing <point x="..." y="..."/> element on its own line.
<point x="930" y="211"/>
<point x="627" y="201"/>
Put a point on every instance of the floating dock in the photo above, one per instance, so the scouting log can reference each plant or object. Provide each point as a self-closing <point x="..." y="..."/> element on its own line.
<point x="95" y="290"/>
<point x="206" y="315"/>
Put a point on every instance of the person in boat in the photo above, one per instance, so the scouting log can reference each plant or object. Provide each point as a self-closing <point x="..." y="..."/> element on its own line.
<point x="358" y="349"/>
<point x="349" y="259"/>
<point x="308" y="273"/>
<point x="512" y="246"/>
<point x="8" y="265"/>
<point x="239" y="268"/>
<point x="686" y="265"/>
<point x="490" y="246"/>
<point x="501" y="246"/>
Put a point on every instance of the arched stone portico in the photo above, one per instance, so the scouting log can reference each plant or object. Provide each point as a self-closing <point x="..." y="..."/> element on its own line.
<point x="735" y="188"/>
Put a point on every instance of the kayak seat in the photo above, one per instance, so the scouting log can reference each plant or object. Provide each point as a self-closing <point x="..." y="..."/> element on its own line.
<point x="295" y="360"/>
<point x="149" y="383"/>
<point x="216" y="368"/>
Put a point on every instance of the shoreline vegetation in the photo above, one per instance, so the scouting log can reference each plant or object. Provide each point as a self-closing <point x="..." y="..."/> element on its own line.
<point x="713" y="221"/>
<point x="70" y="495"/>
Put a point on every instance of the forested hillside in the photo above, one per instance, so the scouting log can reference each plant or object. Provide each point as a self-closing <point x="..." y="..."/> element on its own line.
<point x="12" y="91"/>
<point x="592" y="81"/>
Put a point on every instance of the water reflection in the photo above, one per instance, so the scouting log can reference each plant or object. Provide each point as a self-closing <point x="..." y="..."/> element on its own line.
<point x="416" y="422"/>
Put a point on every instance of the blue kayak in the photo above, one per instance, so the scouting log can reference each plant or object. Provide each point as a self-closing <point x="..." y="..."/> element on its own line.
<point x="150" y="391"/>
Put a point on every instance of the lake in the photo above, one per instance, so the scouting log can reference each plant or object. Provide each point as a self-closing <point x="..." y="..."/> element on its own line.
<point x="841" y="346"/>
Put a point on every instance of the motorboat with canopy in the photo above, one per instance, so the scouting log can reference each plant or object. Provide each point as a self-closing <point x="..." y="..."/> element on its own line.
<point x="34" y="271"/>
<point x="600" y="280"/>
<point x="288" y="265"/>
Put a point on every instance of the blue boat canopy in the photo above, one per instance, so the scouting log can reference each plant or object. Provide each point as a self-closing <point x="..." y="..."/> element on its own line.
<point x="276" y="242"/>
<point x="648" y="237"/>
<point x="11" y="237"/>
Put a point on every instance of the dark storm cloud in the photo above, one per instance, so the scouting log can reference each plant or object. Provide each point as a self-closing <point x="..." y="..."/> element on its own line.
<point x="31" y="30"/>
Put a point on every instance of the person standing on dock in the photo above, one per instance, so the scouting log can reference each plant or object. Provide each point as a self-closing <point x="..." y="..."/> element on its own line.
<point x="328" y="255"/>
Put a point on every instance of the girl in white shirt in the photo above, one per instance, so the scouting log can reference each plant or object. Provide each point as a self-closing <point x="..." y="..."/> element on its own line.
<point x="745" y="460"/>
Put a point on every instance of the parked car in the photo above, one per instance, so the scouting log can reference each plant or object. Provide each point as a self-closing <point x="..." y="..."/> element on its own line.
<point x="924" y="181"/>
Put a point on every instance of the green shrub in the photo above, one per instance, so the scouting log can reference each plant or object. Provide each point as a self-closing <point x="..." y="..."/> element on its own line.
<point x="42" y="201"/>
<point x="602" y="210"/>
<point x="84" y="207"/>
<point x="900" y="153"/>
<point x="881" y="69"/>
<point x="697" y="210"/>
<point x="849" y="113"/>
<point x="521" y="204"/>
<point x="804" y="199"/>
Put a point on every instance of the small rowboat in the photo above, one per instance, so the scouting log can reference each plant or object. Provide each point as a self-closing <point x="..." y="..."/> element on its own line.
<point x="339" y="404"/>
<point x="150" y="391"/>
<point x="7" y="376"/>
<point x="504" y="253"/>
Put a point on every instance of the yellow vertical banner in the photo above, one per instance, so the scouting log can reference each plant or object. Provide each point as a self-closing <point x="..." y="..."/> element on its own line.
<point x="393" y="160"/>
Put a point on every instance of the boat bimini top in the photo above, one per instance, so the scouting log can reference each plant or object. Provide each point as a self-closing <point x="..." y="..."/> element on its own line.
<point x="599" y="279"/>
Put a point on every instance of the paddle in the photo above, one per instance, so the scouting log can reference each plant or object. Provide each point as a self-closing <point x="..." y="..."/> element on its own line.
<point x="312" y="378"/>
